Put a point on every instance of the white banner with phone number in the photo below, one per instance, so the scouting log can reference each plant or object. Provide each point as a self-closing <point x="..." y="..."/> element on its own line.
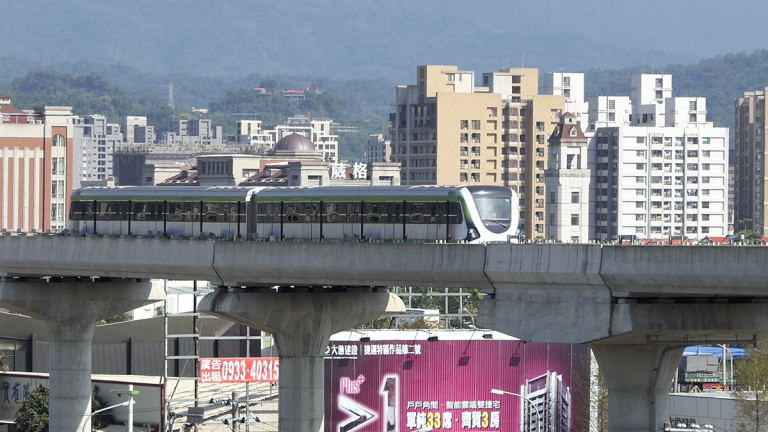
<point x="239" y="370"/>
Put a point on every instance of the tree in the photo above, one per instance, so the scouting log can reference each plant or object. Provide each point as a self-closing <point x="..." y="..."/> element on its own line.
<point x="750" y="233"/>
<point x="589" y="386"/>
<point x="115" y="319"/>
<point x="3" y="364"/>
<point x="32" y="415"/>
<point x="751" y="395"/>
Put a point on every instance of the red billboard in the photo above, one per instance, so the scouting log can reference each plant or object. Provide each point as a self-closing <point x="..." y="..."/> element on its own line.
<point x="400" y="382"/>
<point x="239" y="370"/>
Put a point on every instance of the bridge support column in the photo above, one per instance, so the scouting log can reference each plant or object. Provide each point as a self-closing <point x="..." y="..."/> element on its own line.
<point x="302" y="324"/>
<point x="70" y="309"/>
<point x="638" y="380"/>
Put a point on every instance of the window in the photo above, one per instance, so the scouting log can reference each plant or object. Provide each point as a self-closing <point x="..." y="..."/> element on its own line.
<point x="551" y="197"/>
<point x="551" y="219"/>
<point x="705" y="167"/>
<point x="705" y="153"/>
<point x="58" y="140"/>
<point x="640" y="192"/>
<point x="692" y="105"/>
<point x="640" y="217"/>
<point x="640" y="179"/>
<point x="640" y="166"/>
<point x="705" y="204"/>
<point x="640" y="204"/>
<point x="574" y="220"/>
<point x="492" y="111"/>
<point x="705" y="140"/>
<point x="692" y="118"/>
<point x="475" y="124"/>
<point x="640" y="140"/>
<point x="705" y="217"/>
<point x="640" y="153"/>
<point x="574" y="197"/>
<point x="465" y="124"/>
<point x="639" y="230"/>
<point x="705" y="192"/>
<point x="611" y="116"/>
<point x="705" y="179"/>
<point x="705" y="230"/>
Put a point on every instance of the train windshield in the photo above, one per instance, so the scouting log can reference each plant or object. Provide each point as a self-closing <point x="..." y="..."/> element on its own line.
<point x="495" y="211"/>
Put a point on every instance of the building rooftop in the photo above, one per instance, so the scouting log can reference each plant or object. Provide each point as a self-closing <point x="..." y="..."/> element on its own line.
<point x="295" y="142"/>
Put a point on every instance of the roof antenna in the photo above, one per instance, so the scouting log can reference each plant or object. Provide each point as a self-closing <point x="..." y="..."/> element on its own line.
<point x="522" y="61"/>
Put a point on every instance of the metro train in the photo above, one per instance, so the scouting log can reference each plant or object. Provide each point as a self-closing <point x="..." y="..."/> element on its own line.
<point x="473" y="214"/>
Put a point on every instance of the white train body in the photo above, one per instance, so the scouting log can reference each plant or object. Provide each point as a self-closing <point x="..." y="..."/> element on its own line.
<point x="476" y="214"/>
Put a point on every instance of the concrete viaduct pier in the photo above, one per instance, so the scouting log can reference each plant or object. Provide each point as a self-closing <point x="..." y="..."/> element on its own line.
<point x="302" y="323"/>
<point x="637" y="306"/>
<point x="70" y="308"/>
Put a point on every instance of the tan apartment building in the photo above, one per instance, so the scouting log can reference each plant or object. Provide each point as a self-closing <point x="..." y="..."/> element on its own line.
<point x="448" y="131"/>
<point x="750" y="164"/>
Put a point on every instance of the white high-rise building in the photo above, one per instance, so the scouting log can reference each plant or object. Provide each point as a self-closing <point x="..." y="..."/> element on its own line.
<point x="571" y="86"/>
<point x="660" y="172"/>
<point x="95" y="140"/>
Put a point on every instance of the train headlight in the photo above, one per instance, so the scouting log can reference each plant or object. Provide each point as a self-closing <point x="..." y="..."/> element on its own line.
<point x="473" y="234"/>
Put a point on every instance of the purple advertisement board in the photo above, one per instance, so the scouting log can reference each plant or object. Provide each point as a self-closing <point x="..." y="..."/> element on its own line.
<point x="400" y="382"/>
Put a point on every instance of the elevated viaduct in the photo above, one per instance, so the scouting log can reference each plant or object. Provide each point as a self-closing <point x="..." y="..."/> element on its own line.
<point x="636" y="306"/>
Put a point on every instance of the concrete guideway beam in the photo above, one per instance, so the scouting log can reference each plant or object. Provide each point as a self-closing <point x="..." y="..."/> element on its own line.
<point x="70" y="309"/>
<point x="302" y="324"/>
<point x="637" y="345"/>
<point x="638" y="381"/>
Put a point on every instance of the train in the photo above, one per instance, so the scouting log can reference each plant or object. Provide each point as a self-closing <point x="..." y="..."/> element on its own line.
<point x="472" y="214"/>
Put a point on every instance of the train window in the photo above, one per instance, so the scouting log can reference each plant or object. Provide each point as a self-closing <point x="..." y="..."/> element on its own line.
<point x="211" y="212"/>
<point x="293" y="212"/>
<point x="104" y="210"/>
<point x="175" y="211"/>
<point x="312" y="212"/>
<point x="119" y="210"/>
<point x="268" y="212"/>
<point x="76" y="210"/>
<point x="191" y="211"/>
<point x="373" y="212"/>
<point x="333" y="212"/>
<point x="454" y="213"/>
<point x="353" y="212"/>
<point x="139" y="211"/>
<point x="416" y="212"/>
<point x="228" y="212"/>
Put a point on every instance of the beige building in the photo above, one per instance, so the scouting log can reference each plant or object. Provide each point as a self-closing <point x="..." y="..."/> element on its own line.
<point x="447" y="131"/>
<point x="378" y="149"/>
<point x="750" y="168"/>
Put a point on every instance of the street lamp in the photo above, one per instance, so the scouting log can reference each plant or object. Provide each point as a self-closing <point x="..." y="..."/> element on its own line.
<point x="533" y="405"/>
<point x="128" y="402"/>
<point x="725" y="364"/>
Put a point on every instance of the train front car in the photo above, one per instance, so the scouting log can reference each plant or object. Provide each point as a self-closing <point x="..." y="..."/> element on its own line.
<point x="493" y="214"/>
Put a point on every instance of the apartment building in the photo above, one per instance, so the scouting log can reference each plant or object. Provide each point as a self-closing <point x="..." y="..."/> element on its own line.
<point x="127" y="125"/>
<point x="36" y="148"/>
<point x="200" y="132"/>
<point x="252" y="133"/>
<point x="571" y="86"/>
<point x="749" y="164"/>
<point x="447" y="131"/>
<point x="659" y="171"/>
<point x="95" y="141"/>
<point x="377" y="149"/>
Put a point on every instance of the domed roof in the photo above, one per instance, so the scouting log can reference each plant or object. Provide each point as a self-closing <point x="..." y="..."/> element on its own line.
<point x="295" y="142"/>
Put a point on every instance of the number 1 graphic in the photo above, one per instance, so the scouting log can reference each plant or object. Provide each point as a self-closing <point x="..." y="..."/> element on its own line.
<point x="390" y="396"/>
